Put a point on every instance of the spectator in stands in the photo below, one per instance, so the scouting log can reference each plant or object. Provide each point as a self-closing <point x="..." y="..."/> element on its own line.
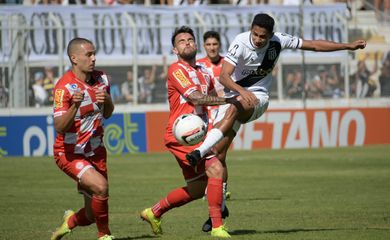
<point x="386" y="8"/>
<point x="163" y="2"/>
<point x="363" y="84"/>
<point x="48" y="82"/>
<point x="189" y="2"/>
<point x="384" y="78"/>
<point x="248" y="2"/>
<point x="41" y="97"/>
<point x="317" y="85"/>
<point x="325" y="84"/>
<point x="147" y="84"/>
<point x="333" y="83"/>
<point x="160" y="89"/>
<point x="295" y="84"/>
<point x="127" y="87"/>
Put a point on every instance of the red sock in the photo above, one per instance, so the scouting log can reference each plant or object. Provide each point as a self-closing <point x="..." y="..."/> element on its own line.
<point x="214" y="197"/>
<point x="100" y="212"/>
<point x="79" y="219"/>
<point x="175" y="198"/>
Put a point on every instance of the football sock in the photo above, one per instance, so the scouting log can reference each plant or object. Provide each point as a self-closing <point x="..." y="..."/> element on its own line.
<point x="79" y="219"/>
<point x="100" y="212"/>
<point x="175" y="198"/>
<point x="224" y="189"/>
<point x="214" y="198"/>
<point x="213" y="137"/>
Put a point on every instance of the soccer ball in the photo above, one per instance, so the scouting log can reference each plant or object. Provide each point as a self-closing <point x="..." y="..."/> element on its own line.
<point x="189" y="129"/>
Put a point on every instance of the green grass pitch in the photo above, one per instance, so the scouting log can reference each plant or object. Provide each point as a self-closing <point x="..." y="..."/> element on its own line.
<point x="335" y="193"/>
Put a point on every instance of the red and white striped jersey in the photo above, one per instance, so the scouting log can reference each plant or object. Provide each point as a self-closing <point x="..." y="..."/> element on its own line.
<point x="85" y="135"/>
<point x="215" y="68"/>
<point x="183" y="80"/>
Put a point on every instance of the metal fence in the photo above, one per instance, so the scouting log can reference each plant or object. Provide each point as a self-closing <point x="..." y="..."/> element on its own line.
<point x="134" y="40"/>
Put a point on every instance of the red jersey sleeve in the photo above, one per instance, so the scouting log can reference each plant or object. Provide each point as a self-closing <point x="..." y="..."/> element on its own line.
<point x="62" y="99"/>
<point x="181" y="80"/>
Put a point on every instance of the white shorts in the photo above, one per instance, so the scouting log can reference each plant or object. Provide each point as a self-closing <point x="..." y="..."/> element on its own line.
<point x="260" y="108"/>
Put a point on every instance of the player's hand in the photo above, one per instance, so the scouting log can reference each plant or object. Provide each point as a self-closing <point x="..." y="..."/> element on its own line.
<point x="248" y="97"/>
<point x="77" y="98"/>
<point x="101" y="96"/>
<point x="358" y="44"/>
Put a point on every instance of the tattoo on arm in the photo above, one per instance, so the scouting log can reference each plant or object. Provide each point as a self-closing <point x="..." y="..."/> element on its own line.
<point x="198" y="98"/>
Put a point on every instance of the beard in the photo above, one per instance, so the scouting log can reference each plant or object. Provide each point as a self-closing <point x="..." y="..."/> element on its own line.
<point x="189" y="55"/>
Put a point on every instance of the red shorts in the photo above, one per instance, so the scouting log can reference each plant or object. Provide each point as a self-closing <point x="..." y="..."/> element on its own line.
<point x="74" y="165"/>
<point x="190" y="173"/>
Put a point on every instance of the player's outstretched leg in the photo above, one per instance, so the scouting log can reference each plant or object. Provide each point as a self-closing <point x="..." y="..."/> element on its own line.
<point x="155" y="223"/>
<point x="64" y="228"/>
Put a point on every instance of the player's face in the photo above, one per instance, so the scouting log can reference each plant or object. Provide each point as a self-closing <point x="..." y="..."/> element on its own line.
<point x="185" y="46"/>
<point x="260" y="36"/>
<point x="212" y="47"/>
<point x="85" y="57"/>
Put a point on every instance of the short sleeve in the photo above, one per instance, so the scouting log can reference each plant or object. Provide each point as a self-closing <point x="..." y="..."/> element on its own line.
<point x="181" y="80"/>
<point x="236" y="50"/>
<point x="62" y="100"/>
<point x="289" y="41"/>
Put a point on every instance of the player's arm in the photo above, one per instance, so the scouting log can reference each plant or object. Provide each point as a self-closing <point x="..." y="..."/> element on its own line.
<point x="329" y="46"/>
<point x="64" y="122"/>
<point x="197" y="98"/>
<point x="226" y="80"/>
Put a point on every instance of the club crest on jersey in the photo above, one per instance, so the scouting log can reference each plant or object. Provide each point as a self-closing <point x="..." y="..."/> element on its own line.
<point x="58" y="95"/>
<point x="181" y="78"/>
<point x="272" y="54"/>
<point x="73" y="86"/>
<point x="204" y="89"/>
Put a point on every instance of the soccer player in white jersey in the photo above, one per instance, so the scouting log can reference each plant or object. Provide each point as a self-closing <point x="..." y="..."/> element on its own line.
<point x="246" y="71"/>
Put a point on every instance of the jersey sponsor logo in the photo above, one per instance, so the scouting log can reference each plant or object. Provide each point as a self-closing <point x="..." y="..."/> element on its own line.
<point x="260" y="72"/>
<point x="58" y="96"/>
<point x="272" y="54"/>
<point x="181" y="78"/>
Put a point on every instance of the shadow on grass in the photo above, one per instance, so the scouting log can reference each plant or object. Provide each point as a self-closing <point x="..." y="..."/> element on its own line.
<point x="256" y="199"/>
<point x="137" y="237"/>
<point x="283" y="231"/>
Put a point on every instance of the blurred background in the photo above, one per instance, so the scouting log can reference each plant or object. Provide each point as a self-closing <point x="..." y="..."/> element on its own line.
<point x="133" y="45"/>
<point x="317" y="99"/>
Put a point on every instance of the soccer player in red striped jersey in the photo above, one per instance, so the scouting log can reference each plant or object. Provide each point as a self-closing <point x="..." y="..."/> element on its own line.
<point x="213" y="62"/>
<point x="190" y="90"/>
<point x="81" y="103"/>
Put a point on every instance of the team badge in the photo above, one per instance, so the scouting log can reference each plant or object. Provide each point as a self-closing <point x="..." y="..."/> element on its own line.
<point x="58" y="96"/>
<point x="73" y="86"/>
<point x="272" y="54"/>
<point x="204" y="89"/>
<point x="181" y="78"/>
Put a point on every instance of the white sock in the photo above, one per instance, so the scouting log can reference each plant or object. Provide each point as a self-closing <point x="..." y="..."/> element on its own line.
<point x="213" y="137"/>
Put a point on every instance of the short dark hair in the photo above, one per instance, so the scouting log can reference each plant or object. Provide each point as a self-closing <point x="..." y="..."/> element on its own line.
<point x="182" y="29"/>
<point x="265" y="21"/>
<point x="74" y="42"/>
<point x="211" y="34"/>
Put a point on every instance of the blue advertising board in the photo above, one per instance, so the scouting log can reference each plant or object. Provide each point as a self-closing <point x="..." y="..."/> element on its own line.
<point x="35" y="135"/>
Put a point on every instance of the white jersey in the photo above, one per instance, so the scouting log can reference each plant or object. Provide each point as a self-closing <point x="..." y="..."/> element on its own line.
<point x="253" y="66"/>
